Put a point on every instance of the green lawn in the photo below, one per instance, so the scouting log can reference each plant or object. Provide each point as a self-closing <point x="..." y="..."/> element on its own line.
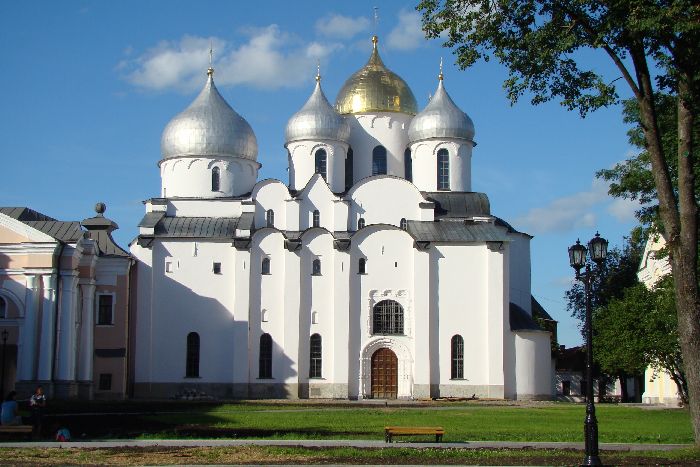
<point x="549" y="422"/>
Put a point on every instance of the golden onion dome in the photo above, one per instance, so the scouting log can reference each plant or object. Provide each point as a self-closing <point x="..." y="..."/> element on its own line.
<point x="375" y="88"/>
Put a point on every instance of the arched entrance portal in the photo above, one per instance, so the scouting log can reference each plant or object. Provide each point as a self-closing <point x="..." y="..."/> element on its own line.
<point x="384" y="374"/>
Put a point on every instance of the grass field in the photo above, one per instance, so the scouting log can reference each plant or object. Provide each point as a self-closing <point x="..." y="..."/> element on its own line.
<point x="475" y="422"/>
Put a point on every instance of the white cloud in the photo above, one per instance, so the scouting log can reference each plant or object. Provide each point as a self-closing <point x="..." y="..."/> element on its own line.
<point x="623" y="209"/>
<point x="566" y="213"/>
<point x="269" y="59"/>
<point x="408" y="34"/>
<point x="577" y="210"/>
<point x="341" y="27"/>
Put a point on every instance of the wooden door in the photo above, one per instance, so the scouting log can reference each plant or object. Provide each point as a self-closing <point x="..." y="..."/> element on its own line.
<point x="385" y="381"/>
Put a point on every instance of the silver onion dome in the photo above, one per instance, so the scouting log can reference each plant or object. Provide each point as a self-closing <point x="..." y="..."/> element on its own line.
<point x="209" y="127"/>
<point x="441" y="118"/>
<point x="317" y="119"/>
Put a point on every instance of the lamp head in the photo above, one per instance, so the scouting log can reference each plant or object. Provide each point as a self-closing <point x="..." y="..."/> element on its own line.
<point x="577" y="255"/>
<point x="598" y="247"/>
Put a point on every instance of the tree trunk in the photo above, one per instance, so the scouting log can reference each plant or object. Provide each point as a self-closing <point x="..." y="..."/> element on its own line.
<point x="624" y="396"/>
<point x="679" y="223"/>
<point x="684" y="260"/>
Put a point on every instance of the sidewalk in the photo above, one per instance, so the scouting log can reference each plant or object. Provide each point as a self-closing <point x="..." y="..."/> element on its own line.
<point x="374" y="444"/>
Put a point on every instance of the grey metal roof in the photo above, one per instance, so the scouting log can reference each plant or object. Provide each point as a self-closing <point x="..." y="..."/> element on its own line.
<point x="459" y="204"/>
<point x="441" y="118"/>
<point x="521" y="321"/>
<point x="317" y="120"/>
<point x="447" y="231"/>
<point x="209" y="127"/>
<point x="539" y="311"/>
<point x="107" y="245"/>
<point x="245" y="222"/>
<point x="150" y="219"/>
<point x="65" y="231"/>
<point x="197" y="227"/>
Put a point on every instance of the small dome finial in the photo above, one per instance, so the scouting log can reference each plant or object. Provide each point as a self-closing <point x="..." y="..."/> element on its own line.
<point x="210" y="70"/>
<point x="100" y="208"/>
<point x="318" y="71"/>
<point x="375" y="39"/>
<point x="440" y="76"/>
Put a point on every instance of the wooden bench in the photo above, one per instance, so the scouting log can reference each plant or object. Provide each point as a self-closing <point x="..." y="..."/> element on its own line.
<point x="16" y="429"/>
<point x="391" y="431"/>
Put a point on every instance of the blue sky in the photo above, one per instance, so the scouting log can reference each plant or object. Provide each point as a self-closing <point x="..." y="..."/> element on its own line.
<point x="88" y="86"/>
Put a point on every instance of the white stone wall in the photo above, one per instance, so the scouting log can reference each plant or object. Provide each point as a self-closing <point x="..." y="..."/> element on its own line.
<point x="533" y="366"/>
<point x="192" y="177"/>
<point x="424" y="156"/>
<point x="302" y="163"/>
<point x="388" y="129"/>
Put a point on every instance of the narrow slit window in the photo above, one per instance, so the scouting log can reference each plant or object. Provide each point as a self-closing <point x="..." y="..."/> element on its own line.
<point x="270" y="218"/>
<point x="192" y="361"/>
<point x="265" y="266"/>
<point x="457" y="357"/>
<point x="362" y="266"/>
<point x="105" y="310"/>
<point x="321" y="163"/>
<point x="379" y="160"/>
<point x="316" y="267"/>
<point x="408" y="165"/>
<point x="265" y="361"/>
<point x="360" y="223"/>
<point x="443" y="170"/>
<point x="315" y="356"/>
<point x="316" y="218"/>
<point x="215" y="179"/>
<point x="403" y="224"/>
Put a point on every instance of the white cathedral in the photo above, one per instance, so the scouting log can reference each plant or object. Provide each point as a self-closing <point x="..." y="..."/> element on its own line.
<point x="375" y="273"/>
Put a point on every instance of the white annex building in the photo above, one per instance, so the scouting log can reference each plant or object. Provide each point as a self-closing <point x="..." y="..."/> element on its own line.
<point x="374" y="273"/>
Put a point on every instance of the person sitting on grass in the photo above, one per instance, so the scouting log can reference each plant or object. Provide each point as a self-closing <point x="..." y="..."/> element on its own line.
<point x="8" y="415"/>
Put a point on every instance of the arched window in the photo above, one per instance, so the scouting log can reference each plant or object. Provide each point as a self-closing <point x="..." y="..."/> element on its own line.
<point x="362" y="266"/>
<point x="443" y="170"/>
<point x="270" y="218"/>
<point x="457" y="357"/>
<point x="403" y="224"/>
<point x="316" y="267"/>
<point x="348" y="170"/>
<point x="265" y="367"/>
<point x="192" y="362"/>
<point x="315" y="356"/>
<point x="316" y="218"/>
<point x="387" y="318"/>
<point x="408" y="165"/>
<point x="215" y="179"/>
<point x="3" y="308"/>
<point x="265" y="266"/>
<point x="360" y="223"/>
<point x="321" y="163"/>
<point x="379" y="160"/>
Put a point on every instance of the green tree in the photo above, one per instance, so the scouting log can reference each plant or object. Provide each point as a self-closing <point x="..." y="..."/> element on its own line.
<point x="633" y="178"/>
<point x="655" y="47"/>
<point x="637" y="330"/>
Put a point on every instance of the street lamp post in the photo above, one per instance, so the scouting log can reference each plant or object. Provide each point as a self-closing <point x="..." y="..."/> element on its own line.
<point x="598" y="249"/>
<point x="2" y="373"/>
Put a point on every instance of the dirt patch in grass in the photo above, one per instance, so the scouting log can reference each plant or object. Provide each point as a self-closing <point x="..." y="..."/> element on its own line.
<point x="296" y="455"/>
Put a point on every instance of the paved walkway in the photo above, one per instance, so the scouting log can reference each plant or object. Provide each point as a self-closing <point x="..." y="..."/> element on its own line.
<point x="339" y="443"/>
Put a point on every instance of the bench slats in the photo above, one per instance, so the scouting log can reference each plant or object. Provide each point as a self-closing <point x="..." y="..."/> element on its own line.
<point x="391" y="431"/>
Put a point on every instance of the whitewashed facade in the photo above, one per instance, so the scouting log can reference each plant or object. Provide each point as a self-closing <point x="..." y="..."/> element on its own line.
<point x="376" y="273"/>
